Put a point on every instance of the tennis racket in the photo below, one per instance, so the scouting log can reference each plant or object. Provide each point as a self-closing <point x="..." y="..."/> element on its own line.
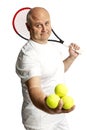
<point x="19" y="26"/>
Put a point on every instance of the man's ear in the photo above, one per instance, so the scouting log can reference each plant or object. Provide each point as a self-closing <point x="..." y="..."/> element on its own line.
<point x="27" y="26"/>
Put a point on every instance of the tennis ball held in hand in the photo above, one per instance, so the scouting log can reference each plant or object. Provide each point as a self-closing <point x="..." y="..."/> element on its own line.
<point x="52" y="101"/>
<point x="68" y="102"/>
<point x="61" y="90"/>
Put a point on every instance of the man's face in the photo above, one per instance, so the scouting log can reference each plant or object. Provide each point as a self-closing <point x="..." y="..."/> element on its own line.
<point x="40" y="29"/>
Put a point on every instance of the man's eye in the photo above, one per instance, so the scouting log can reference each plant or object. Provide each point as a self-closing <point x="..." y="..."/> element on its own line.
<point x="47" y="23"/>
<point x="38" y="26"/>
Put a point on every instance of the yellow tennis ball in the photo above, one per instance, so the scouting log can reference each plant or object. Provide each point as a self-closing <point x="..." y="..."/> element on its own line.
<point x="61" y="90"/>
<point x="52" y="101"/>
<point x="68" y="102"/>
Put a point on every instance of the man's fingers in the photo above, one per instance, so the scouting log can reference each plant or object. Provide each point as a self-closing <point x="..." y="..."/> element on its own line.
<point x="68" y="110"/>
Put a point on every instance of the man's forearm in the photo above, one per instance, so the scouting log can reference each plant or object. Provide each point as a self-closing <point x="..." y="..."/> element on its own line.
<point x="68" y="62"/>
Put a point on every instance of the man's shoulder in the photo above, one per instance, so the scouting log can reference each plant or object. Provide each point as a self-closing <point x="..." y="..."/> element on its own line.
<point x="27" y="49"/>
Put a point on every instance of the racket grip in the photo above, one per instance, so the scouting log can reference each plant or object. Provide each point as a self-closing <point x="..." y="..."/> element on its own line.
<point x="78" y="51"/>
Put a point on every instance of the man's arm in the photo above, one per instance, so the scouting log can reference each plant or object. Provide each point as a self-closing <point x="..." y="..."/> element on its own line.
<point x="38" y="97"/>
<point x="72" y="56"/>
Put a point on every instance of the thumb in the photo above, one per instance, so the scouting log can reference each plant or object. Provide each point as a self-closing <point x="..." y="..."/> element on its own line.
<point x="60" y="105"/>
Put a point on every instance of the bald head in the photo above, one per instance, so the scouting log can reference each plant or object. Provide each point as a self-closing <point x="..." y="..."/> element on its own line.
<point x="37" y="12"/>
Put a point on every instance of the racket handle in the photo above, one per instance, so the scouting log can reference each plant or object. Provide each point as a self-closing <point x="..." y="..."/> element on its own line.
<point x="78" y="51"/>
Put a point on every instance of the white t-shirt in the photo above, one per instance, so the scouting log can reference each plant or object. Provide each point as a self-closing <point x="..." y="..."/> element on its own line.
<point x="42" y="60"/>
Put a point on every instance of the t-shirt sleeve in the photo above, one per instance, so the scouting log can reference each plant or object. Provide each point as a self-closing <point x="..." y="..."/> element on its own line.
<point x="27" y="66"/>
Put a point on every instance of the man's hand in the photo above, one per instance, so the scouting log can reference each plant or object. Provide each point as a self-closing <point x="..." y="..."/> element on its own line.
<point x="73" y="50"/>
<point x="72" y="56"/>
<point x="60" y="109"/>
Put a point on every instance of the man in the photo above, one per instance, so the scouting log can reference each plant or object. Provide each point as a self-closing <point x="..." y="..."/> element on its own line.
<point x="40" y="67"/>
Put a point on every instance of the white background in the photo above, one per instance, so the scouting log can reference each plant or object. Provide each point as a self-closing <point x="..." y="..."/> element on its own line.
<point x="69" y="19"/>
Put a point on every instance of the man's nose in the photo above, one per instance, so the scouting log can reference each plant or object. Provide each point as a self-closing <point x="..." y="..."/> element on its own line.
<point x="44" y="28"/>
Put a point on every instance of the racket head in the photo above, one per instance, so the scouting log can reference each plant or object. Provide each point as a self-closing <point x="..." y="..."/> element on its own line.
<point x="19" y="23"/>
